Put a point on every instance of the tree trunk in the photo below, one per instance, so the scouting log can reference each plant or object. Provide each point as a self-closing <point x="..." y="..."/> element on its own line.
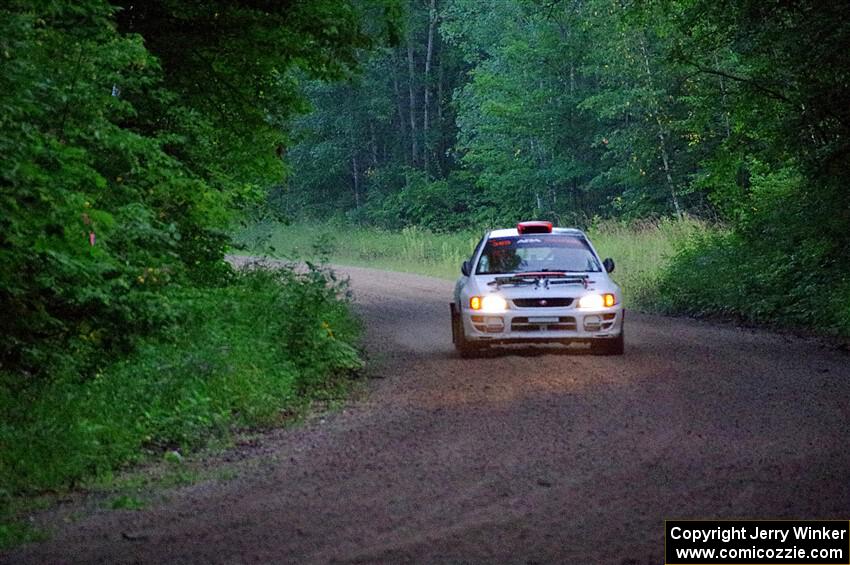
<point x="723" y="99"/>
<point x="441" y="144"/>
<point x="662" y="135"/>
<point x="572" y="78"/>
<point x="432" y="21"/>
<point x="411" y="72"/>
<point x="374" y="144"/>
<point x="353" y="145"/>
<point x="402" y="121"/>
<point x="356" y="180"/>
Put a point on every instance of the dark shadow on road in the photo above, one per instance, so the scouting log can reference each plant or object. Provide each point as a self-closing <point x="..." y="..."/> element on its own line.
<point x="494" y="352"/>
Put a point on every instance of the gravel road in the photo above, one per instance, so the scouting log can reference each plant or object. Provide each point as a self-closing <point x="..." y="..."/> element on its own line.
<point x="523" y="456"/>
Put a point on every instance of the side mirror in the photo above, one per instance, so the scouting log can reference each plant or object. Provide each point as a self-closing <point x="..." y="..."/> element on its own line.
<point x="608" y="263"/>
<point x="464" y="268"/>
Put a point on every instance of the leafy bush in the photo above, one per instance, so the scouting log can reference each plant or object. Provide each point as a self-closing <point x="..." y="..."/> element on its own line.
<point x="641" y="251"/>
<point x="239" y="355"/>
<point x="444" y="205"/>
<point x="776" y="267"/>
<point x="96" y="220"/>
<point x="728" y="275"/>
<point x="124" y="163"/>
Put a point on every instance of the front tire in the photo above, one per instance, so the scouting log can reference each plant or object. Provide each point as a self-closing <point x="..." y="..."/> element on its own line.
<point x="464" y="347"/>
<point x="616" y="346"/>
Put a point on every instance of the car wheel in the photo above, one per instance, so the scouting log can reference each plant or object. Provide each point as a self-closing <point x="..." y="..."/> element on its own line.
<point x="614" y="346"/>
<point x="463" y="346"/>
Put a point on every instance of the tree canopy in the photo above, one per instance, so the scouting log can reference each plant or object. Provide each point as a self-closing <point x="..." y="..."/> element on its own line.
<point x="575" y="108"/>
<point x="130" y="135"/>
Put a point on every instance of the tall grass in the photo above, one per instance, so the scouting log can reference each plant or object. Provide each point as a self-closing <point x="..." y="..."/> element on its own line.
<point x="413" y="250"/>
<point x="641" y="250"/>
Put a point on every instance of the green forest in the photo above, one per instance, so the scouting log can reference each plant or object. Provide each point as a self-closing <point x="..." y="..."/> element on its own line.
<point x="732" y="113"/>
<point x="141" y="142"/>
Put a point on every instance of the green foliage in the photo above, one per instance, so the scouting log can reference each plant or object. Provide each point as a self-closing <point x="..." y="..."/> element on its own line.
<point x="441" y="205"/>
<point x="71" y="174"/>
<point x="126" y="502"/>
<point x="520" y="130"/>
<point x="240" y="355"/>
<point x="773" y="269"/>
<point x="131" y="135"/>
<point x="725" y="275"/>
<point x="355" y="149"/>
<point x="778" y="70"/>
<point x="642" y="251"/>
<point x="16" y="533"/>
<point x="561" y="113"/>
<point x="233" y="125"/>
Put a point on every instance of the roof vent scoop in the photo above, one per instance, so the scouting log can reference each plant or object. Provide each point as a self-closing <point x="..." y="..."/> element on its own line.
<point x="534" y="227"/>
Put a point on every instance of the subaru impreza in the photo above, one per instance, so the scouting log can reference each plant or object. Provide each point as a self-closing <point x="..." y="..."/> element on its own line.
<point x="537" y="284"/>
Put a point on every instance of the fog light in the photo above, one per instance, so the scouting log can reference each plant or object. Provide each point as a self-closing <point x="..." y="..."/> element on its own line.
<point x="592" y="323"/>
<point x="494" y="323"/>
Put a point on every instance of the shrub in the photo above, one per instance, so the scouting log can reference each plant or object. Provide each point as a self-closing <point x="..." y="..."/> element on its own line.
<point x="441" y="205"/>
<point x="784" y="262"/>
<point x="727" y="274"/>
<point x="240" y="355"/>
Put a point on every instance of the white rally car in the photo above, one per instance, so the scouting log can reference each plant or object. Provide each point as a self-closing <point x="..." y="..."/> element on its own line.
<point x="540" y="284"/>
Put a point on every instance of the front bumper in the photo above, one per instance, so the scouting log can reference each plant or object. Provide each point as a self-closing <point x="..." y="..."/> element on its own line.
<point x="543" y="325"/>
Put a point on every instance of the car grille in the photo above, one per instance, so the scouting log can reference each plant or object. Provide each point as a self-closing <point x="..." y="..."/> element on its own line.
<point x="564" y="323"/>
<point x="542" y="302"/>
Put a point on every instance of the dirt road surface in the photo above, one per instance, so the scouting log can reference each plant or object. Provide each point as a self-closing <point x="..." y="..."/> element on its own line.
<point x="524" y="456"/>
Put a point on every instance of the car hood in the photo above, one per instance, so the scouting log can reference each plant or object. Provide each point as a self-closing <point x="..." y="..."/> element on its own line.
<point x="552" y="286"/>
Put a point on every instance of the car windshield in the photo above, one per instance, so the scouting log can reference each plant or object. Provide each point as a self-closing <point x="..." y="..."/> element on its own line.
<point x="537" y="253"/>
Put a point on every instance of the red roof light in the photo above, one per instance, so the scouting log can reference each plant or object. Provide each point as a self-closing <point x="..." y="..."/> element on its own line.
<point x="534" y="227"/>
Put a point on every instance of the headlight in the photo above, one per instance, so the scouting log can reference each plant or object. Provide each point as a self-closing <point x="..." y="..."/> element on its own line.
<point x="595" y="301"/>
<point x="492" y="304"/>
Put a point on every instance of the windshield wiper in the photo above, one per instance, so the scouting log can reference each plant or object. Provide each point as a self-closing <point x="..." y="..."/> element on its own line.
<point x="516" y="279"/>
